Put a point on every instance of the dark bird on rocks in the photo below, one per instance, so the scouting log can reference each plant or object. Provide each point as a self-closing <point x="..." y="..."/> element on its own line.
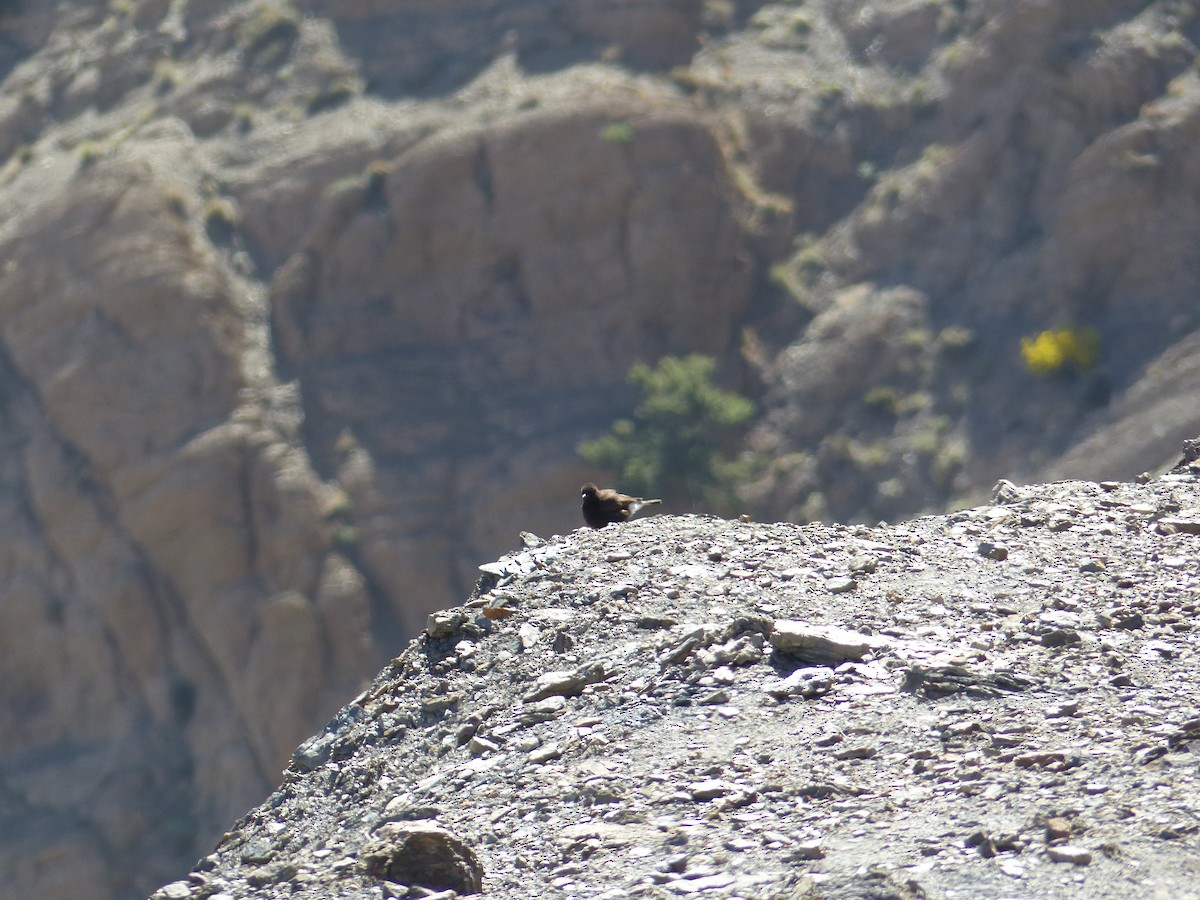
<point x="604" y="505"/>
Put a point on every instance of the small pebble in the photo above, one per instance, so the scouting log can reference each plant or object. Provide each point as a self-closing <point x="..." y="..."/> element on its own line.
<point x="809" y="850"/>
<point x="1069" y="853"/>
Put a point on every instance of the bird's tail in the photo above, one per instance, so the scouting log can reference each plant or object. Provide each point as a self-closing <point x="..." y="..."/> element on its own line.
<point x="641" y="504"/>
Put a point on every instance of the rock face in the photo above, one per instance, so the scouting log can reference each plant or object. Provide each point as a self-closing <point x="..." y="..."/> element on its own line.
<point x="175" y="612"/>
<point x="444" y="46"/>
<point x="448" y="280"/>
<point x="1026" y="187"/>
<point x="304" y="308"/>
<point x="687" y="705"/>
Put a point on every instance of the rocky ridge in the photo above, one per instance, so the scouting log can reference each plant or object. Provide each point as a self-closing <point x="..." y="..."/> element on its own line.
<point x="998" y="702"/>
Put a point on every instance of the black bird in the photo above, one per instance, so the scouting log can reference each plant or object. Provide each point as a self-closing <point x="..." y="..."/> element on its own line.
<point x="604" y="505"/>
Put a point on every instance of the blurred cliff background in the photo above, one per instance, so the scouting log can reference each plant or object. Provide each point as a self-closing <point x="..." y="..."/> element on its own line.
<point x="306" y="307"/>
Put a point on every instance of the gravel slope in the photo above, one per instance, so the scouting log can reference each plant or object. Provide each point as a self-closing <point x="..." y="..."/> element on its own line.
<point x="999" y="703"/>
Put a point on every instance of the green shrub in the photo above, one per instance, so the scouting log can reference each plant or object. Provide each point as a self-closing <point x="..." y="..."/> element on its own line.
<point x="674" y="441"/>
<point x="867" y="171"/>
<point x="884" y="398"/>
<point x="955" y="338"/>
<point x="618" y="132"/>
<point x="346" y="443"/>
<point x="345" y="537"/>
<point x="90" y="152"/>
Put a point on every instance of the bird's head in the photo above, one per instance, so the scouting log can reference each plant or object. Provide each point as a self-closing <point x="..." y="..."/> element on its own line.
<point x="588" y="490"/>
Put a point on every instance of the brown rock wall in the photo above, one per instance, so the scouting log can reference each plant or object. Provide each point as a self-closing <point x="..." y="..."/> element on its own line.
<point x="452" y="282"/>
<point x="444" y="45"/>
<point x="169" y="562"/>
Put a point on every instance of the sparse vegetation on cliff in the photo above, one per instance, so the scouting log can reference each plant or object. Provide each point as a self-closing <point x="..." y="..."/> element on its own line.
<point x="1060" y="350"/>
<point x="675" y="441"/>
